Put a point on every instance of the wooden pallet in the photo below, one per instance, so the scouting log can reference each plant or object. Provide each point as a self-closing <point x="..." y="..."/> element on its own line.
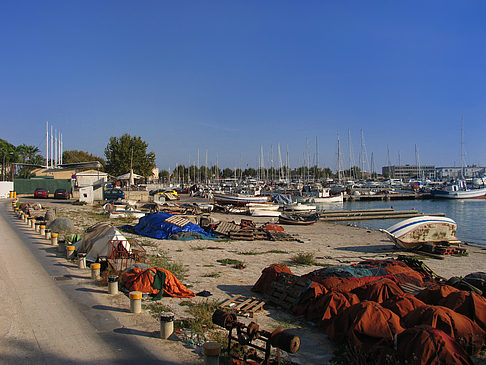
<point x="226" y="227"/>
<point x="280" y="236"/>
<point x="287" y="289"/>
<point x="243" y="305"/>
<point x="178" y="221"/>
<point x="443" y="250"/>
<point x="248" y="234"/>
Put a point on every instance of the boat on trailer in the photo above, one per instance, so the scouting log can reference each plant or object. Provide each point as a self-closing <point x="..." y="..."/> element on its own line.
<point x="414" y="232"/>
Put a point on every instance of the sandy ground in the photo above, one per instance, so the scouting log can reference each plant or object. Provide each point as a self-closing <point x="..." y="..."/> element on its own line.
<point x="330" y="243"/>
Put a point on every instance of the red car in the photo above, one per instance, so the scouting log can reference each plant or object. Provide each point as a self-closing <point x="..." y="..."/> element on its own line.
<point x="41" y="193"/>
<point x="61" y="194"/>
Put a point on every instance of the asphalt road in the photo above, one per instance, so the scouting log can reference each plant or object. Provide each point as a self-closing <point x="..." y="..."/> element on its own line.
<point x="52" y="313"/>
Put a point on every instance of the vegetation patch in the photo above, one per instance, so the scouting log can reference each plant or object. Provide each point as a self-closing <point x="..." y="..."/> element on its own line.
<point x="155" y="308"/>
<point x="213" y="274"/>
<point x="303" y="259"/>
<point x="162" y="261"/>
<point x="237" y="264"/>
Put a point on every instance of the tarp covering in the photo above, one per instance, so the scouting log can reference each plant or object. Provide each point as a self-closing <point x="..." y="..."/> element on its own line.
<point x="469" y="304"/>
<point x="282" y="199"/>
<point x="435" y="294"/>
<point x="329" y="305"/>
<point x="456" y="325"/>
<point x="364" y="324"/>
<point x="97" y="239"/>
<point x="424" y="345"/>
<point x="154" y="226"/>
<point x="402" y="304"/>
<point x="378" y="291"/>
<point x="144" y="281"/>
<point x="269" y="274"/>
<point x="309" y="298"/>
<point x="478" y="279"/>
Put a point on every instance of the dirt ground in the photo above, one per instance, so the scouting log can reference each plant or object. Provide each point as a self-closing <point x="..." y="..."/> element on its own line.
<point x="330" y="243"/>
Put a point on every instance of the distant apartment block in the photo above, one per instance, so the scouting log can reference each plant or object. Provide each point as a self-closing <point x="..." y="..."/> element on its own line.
<point x="456" y="172"/>
<point x="406" y="172"/>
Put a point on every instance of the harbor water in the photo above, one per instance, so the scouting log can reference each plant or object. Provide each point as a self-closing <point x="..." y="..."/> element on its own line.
<point x="469" y="214"/>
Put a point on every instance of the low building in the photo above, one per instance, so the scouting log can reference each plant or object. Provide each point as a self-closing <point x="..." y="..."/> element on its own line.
<point x="405" y="172"/>
<point x="91" y="178"/>
<point x="468" y="172"/>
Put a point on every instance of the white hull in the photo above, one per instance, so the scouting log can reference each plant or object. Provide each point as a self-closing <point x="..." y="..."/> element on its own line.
<point x="329" y="199"/>
<point x="460" y="194"/>
<point x="298" y="207"/>
<point x="265" y="213"/>
<point x="413" y="232"/>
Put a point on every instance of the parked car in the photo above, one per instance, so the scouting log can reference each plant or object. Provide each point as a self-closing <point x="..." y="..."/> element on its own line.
<point x="113" y="194"/>
<point x="41" y="193"/>
<point x="61" y="194"/>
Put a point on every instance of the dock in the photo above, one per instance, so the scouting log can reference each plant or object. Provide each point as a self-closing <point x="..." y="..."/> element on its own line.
<point x="387" y="196"/>
<point x="370" y="214"/>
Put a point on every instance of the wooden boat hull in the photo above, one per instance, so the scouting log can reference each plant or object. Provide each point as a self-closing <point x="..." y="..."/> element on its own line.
<point x="298" y="221"/>
<point x="414" y="232"/>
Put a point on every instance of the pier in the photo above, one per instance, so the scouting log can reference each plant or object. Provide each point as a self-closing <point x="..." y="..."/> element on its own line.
<point x="369" y="214"/>
<point x="386" y="196"/>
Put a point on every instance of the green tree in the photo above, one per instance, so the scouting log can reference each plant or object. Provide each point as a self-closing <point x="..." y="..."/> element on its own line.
<point x="227" y="172"/>
<point x="127" y="151"/>
<point x="75" y="156"/>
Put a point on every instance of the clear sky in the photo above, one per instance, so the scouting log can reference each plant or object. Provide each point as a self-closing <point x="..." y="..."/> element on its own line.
<point x="230" y="76"/>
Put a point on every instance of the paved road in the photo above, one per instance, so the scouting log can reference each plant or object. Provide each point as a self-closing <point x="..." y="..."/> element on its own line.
<point x="45" y="320"/>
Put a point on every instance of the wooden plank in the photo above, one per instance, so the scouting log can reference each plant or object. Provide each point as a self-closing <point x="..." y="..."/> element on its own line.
<point x="229" y="301"/>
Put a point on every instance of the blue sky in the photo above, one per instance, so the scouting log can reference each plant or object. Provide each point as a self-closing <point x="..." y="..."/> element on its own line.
<point x="231" y="76"/>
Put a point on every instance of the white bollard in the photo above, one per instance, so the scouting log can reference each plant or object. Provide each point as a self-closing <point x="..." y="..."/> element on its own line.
<point x="135" y="301"/>
<point x="47" y="234"/>
<point x="113" y="284"/>
<point x="166" y="324"/>
<point x="42" y="230"/>
<point x="54" y="236"/>
<point x="69" y="252"/>
<point x="81" y="261"/>
<point x="95" y="271"/>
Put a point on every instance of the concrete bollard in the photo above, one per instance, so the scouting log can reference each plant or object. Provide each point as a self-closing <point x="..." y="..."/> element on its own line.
<point x="47" y="234"/>
<point x="42" y="230"/>
<point x="69" y="252"/>
<point x="211" y="350"/>
<point x="26" y="219"/>
<point x="54" y="238"/>
<point x="135" y="301"/>
<point x="95" y="271"/>
<point x="113" y="284"/>
<point x="32" y="223"/>
<point x="166" y="324"/>
<point x="37" y="226"/>
<point x="81" y="261"/>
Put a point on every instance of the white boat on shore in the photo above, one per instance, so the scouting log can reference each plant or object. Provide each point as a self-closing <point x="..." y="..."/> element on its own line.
<point x="414" y="232"/>
<point x="299" y="207"/>
<point x="238" y="199"/>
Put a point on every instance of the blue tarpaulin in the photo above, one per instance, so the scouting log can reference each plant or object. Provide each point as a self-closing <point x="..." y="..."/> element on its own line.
<point x="154" y="226"/>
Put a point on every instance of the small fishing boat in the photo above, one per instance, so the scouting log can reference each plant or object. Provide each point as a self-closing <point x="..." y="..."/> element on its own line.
<point x="459" y="190"/>
<point x="299" y="207"/>
<point x="298" y="219"/>
<point x="265" y="213"/>
<point x="413" y="232"/>
<point x="238" y="199"/>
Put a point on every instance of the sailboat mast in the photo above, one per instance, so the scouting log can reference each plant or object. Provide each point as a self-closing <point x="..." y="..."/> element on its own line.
<point x="462" y="148"/>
